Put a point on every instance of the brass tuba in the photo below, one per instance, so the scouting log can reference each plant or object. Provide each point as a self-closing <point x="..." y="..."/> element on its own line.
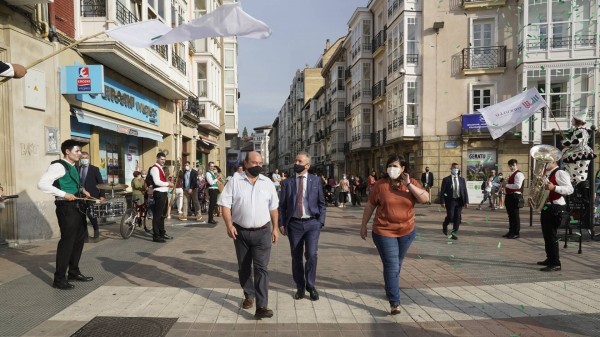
<point x="542" y="156"/>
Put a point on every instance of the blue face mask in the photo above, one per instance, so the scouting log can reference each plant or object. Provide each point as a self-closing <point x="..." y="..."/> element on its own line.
<point x="454" y="171"/>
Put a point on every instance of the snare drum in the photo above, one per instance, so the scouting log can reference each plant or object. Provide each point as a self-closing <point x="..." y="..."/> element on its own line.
<point x="107" y="209"/>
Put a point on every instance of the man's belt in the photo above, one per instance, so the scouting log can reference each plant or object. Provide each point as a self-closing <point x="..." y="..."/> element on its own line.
<point x="303" y="219"/>
<point x="250" y="229"/>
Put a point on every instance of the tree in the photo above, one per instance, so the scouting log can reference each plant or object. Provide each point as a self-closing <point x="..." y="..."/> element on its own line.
<point x="245" y="132"/>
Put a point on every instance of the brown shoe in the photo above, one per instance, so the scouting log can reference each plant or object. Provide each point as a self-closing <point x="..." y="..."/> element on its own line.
<point x="182" y="218"/>
<point x="263" y="313"/>
<point x="248" y="303"/>
<point x="199" y="217"/>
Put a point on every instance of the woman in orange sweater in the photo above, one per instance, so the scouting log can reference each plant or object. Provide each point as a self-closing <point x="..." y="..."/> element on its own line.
<point x="394" y="199"/>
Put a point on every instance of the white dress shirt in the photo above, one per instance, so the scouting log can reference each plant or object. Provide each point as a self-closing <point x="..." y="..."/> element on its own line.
<point x="159" y="185"/>
<point x="305" y="212"/>
<point x="563" y="185"/>
<point x="250" y="204"/>
<point x="211" y="180"/>
<point x="55" y="171"/>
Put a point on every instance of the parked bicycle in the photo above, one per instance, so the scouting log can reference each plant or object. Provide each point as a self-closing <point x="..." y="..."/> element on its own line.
<point x="134" y="217"/>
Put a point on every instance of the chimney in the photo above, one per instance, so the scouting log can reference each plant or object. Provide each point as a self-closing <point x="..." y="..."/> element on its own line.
<point x="327" y="44"/>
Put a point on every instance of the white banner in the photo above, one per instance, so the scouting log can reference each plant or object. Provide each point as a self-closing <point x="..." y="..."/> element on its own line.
<point x="226" y="20"/>
<point x="505" y="115"/>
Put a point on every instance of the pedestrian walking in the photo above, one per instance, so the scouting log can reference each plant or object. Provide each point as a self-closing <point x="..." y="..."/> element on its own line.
<point x="486" y="189"/>
<point x="250" y="211"/>
<point x="89" y="176"/>
<point x="427" y="181"/>
<point x="453" y="196"/>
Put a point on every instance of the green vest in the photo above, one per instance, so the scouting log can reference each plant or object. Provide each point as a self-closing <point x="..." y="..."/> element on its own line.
<point x="70" y="181"/>
<point x="216" y="184"/>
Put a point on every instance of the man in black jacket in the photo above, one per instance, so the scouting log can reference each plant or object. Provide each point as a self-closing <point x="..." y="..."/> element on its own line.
<point x="189" y="182"/>
<point x="89" y="176"/>
<point x="427" y="181"/>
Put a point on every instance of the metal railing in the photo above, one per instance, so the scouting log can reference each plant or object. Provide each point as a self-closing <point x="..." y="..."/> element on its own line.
<point x="561" y="42"/>
<point x="93" y="8"/>
<point x="163" y="51"/>
<point x="177" y="61"/>
<point x="192" y="106"/>
<point x="348" y="73"/>
<point x="484" y="57"/>
<point x="379" y="88"/>
<point x="412" y="58"/>
<point x="124" y="15"/>
<point x="379" y="40"/>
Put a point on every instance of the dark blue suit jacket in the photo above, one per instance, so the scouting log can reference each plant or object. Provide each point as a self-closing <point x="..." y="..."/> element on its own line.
<point x="287" y="199"/>
<point x="446" y="191"/>
<point x="92" y="179"/>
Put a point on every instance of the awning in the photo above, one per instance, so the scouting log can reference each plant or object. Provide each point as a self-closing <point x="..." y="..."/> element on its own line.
<point x="209" y="142"/>
<point x="87" y="117"/>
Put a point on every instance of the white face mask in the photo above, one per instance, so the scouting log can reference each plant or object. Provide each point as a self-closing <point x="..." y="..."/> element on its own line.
<point x="394" y="172"/>
<point x="143" y="176"/>
<point x="85" y="162"/>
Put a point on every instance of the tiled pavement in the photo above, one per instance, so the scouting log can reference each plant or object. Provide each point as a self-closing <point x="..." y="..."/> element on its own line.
<point x="480" y="285"/>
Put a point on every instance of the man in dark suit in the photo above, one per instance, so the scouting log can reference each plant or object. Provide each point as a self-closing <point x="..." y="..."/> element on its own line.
<point x="453" y="196"/>
<point x="427" y="181"/>
<point x="189" y="182"/>
<point x="302" y="211"/>
<point x="89" y="176"/>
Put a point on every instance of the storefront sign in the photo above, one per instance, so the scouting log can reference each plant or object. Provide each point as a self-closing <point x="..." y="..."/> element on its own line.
<point x="79" y="79"/>
<point x="451" y="144"/>
<point x="473" y="122"/>
<point x="126" y="130"/>
<point x="125" y="101"/>
<point x="479" y="165"/>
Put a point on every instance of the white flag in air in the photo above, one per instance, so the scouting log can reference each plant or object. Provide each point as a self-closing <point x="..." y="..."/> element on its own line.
<point x="505" y="115"/>
<point x="226" y="20"/>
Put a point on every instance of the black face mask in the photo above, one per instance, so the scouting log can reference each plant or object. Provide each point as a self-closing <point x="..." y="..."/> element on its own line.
<point x="255" y="170"/>
<point x="299" y="168"/>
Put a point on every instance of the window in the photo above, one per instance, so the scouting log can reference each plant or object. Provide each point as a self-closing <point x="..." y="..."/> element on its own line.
<point x="482" y="97"/>
<point x="412" y="114"/>
<point x="202" y="83"/>
<point x="230" y="101"/>
<point x="412" y="53"/>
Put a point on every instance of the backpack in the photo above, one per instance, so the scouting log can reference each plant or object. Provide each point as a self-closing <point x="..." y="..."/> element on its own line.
<point x="149" y="180"/>
<point x="483" y="185"/>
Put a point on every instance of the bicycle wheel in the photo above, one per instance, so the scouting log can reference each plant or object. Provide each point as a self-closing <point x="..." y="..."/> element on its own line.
<point x="128" y="223"/>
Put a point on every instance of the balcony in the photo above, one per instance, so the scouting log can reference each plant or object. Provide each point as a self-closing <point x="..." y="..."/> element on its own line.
<point x="191" y="112"/>
<point x="361" y="141"/>
<point x="178" y="62"/>
<point x="379" y="42"/>
<point x="231" y="125"/>
<point x="412" y="58"/>
<point x="484" y="60"/>
<point x="378" y="138"/>
<point x="124" y="16"/>
<point x="560" y="42"/>
<point x="348" y="74"/>
<point x="347" y="111"/>
<point x="482" y="4"/>
<point x="379" y="91"/>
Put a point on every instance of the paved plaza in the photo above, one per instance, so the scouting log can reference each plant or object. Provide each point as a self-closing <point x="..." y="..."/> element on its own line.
<point x="479" y="285"/>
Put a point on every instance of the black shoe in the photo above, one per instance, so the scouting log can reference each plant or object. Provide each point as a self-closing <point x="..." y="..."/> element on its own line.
<point x="507" y="235"/>
<point x="80" y="278"/>
<point x="159" y="240"/>
<point x="453" y="235"/>
<point x="543" y="263"/>
<point x="96" y="234"/>
<point x="212" y="222"/>
<point x="513" y="236"/>
<point x="166" y="236"/>
<point x="550" y="268"/>
<point x="445" y="229"/>
<point x="314" y="295"/>
<point x="299" y="294"/>
<point x="147" y="230"/>
<point x="62" y="285"/>
<point x="263" y="313"/>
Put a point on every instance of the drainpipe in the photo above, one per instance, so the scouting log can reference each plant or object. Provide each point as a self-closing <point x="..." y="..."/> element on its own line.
<point x="52" y="36"/>
<point x="41" y="15"/>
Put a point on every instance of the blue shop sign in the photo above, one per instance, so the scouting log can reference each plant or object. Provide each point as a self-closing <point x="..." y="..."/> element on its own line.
<point x="473" y="122"/>
<point x="125" y="101"/>
<point x="83" y="78"/>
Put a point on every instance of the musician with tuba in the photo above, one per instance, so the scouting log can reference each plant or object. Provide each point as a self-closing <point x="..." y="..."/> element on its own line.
<point x="556" y="185"/>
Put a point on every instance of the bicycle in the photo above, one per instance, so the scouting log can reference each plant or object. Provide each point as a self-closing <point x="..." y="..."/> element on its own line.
<point x="134" y="217"/>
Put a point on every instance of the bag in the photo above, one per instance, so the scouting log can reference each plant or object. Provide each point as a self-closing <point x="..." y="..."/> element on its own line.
<point x="220" y="186"/>
<point x="149" y="180"/>
<point x="483" y="185"/>
<point x="520" y="200"/>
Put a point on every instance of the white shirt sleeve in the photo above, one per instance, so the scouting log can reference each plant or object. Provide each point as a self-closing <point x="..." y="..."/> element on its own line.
<point x="10" y="72"/>
<point x="563" y="183"/>
<point x="519" y="178"/>
<point x="274" y="203"/>
<point x="156" y="177"/>
<point x="210" y="179"/>
<point x="226" y="198"/>
<point x="55" y="171"/>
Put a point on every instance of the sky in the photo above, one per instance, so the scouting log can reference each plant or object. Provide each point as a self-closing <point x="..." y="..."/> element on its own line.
<point x="266" y="67"/>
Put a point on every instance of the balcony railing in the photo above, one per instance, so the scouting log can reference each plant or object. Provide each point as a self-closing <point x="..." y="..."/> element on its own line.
<point x="484" y="57"/>
<point x="178" y="62"/>
<point x="192" y="107"/>
<point x="125" y="16"/>
<point x="162" y="50"/>
<point x="347" y="111"/>
<point x="379" y="89"/>
<point x="379" y="40"/>
<point x="348" y="73"/>
<point x="412" y="58"/>
<point x="562" y="42"/>
<point x="93" y="8"/>
<point x="395" y="123"/>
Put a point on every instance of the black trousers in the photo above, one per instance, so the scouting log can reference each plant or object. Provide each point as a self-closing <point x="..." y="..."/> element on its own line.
<point x="212" y="202"/>
<point x="253" y="251"/>
<point x="512" y="209"/>
<point x="454" y="213"/>
<point x="159" y="214"/>
<point x="93" y="221"/>
<point x="73" y="231"/>
<point x="552" y="217"/>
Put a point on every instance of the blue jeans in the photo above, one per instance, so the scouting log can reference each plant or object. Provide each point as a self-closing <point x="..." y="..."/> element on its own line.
<point x="392" y="252"/>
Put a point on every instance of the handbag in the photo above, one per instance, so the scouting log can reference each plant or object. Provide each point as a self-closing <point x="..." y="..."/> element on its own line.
<point x="520" y="200"/>
<point x="220" y="186"/>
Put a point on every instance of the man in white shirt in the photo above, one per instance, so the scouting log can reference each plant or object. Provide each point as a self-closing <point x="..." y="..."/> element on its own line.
<point x="213" y="191"/>
<point x="514" y="199"/>
<point x="13" y="70"/>
<point x="249" y="202"/>
<point x="554" y="213"/>
<point x="62" y="180"/>
<point x="161" y="188"/>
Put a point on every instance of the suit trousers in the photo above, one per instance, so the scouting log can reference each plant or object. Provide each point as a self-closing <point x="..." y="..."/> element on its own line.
<point x="186" y="201"/>
<point x="93" y="220"/>
<point x="552" y="217"/>
<point x="73" y="231"/>
<point x="212" y="202"/>
<point x="304" y="240"/>
<point x="454" y="213"/>
<point x="512" y="209"/>
<point x="159" y="213"/>
<point x="253" y="251"/>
